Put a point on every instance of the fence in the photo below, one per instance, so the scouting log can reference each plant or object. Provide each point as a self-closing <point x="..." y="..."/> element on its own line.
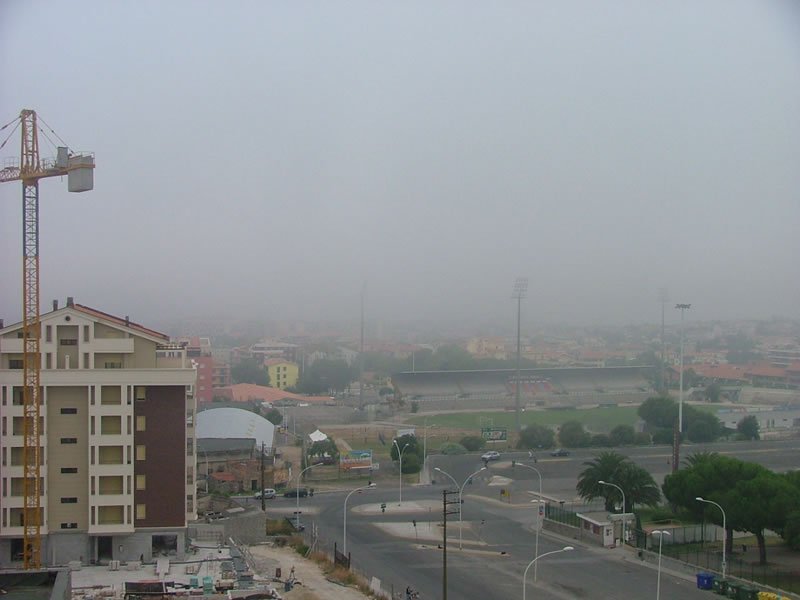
<point x="708" y="556"/>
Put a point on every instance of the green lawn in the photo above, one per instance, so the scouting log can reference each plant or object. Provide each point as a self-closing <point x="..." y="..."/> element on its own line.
<point x="602" y="418"/>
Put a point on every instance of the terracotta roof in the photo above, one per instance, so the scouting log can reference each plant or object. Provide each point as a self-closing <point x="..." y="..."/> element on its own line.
<point x="245" y="392"/>
<point x="766" y="371"/>
<point x="123" y="322"/>
<point x="725" y="371"/>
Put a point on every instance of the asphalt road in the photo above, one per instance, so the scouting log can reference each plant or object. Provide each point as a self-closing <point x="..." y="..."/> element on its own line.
<point x="499" y="540"/>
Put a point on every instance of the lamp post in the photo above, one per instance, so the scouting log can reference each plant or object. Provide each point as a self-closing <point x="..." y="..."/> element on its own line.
<point x="460" y="502"/>
<point x="661" y="535"/>
<point x="297" y="497"/>
<point x="623" y="506"/>
<point x="724" y="528"/>
<point x="538" y="521"/>
<point x="525" y="575"/>
<point x="425" y="441"/>
<point x="346" y="498"/>
<point x="400" y="456"/>
<point x="677" y="441"/>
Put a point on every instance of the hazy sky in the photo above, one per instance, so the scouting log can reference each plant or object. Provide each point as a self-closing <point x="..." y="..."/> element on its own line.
<point x="270" y="157"/>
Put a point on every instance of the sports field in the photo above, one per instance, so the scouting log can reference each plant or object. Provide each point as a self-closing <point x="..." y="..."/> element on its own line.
<point x="597" y="419"/>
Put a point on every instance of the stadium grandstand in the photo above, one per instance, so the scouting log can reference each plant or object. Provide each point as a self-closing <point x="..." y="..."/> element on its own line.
<point x="555" y="387"/>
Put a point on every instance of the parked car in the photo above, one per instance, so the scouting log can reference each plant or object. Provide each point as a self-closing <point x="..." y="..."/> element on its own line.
<point x="267" y="493"/>
<point x="559" y="452"/>
<point x="295" y="492"/>
<point x="491" y="455"/>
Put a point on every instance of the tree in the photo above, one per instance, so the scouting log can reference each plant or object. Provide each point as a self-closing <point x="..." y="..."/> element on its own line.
<point x="324" y="448"/>
<point x="473" y="442"/>
<point x="536" y="436"/>
<point x="702" y="431"/>
<point x="573" y="435"/>
<point x="412" y="457"/>
<point x="601" y="440"/>
<point x="612" y="467"/>
<point x="748" y="428"/>
<point x="622" y="435"/>
<point x="659" y="412"/>
<point x="250" y="370"/>
<point x="274" y="416"/>
<point x="326" y="375"/>
<point x="713" y="392"/>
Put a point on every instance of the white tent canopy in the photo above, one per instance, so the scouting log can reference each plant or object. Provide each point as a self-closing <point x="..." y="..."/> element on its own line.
<point x="317" y="436"/>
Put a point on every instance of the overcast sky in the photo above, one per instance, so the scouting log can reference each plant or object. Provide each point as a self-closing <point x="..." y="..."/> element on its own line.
<point x="268" y="158"/>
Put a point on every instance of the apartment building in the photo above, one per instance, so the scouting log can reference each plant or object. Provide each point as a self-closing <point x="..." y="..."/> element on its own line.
<point x="282" y="373"/>
<point x="118" y="440"/>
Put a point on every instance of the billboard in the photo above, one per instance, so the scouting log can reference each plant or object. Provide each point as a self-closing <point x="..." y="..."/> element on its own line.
<point x="356" y="459"/>
<point x="495" y="434"/>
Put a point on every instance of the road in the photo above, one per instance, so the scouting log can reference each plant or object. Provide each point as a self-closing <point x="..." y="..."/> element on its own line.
<point x="499" y="541"/>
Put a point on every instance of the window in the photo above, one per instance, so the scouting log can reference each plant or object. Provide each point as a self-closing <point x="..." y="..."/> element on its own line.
<point x="67" y="342"/>
<point x="48" y="360"/>
<point x="85" y="333"/>
<point x="85" y="360"/>
<point x="15" y="363"/>
<point x="141" y="453"/>
<point x="48" y="332"/>
<point x="189" y="446"/>
<point x="189" y="503"/>
<point x="113" y="365"/>
<point x="140" y="393"/>
<point x="141" y="423"/>
<point x="141" y="512"/>
<point x="69" y="526"/>
<point x="141" y="482"/>
<point x="69" y="410"/>
<point x="70" y="500"/>
<point x="69" y="440"/>
<point x="69" y="469"/>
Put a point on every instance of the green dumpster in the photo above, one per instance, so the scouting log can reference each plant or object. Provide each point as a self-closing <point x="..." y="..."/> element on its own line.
<point x="733" y="590"/>
<point x="720" y="586"/>
<point x="747" y="593"/>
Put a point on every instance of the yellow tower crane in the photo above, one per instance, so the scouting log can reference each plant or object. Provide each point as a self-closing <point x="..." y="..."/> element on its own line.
<point x="80" y="178"/>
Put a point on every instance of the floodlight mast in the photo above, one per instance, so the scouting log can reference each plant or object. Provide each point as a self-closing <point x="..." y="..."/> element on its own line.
<point x="520" y="291"/>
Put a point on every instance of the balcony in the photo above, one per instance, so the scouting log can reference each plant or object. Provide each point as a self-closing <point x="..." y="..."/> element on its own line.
<point x="110" y="345"/>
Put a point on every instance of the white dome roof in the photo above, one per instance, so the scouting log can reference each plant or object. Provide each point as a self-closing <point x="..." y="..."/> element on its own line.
<point x="235" y="423"/>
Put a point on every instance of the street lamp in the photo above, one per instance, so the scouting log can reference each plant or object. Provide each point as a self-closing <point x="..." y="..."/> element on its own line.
<point x="525" y="575"/>
<point x="538" y="515"/>
<point x="425" y="442"/>
<point x="297" y="497"/>
<point x="344" y="535"/>
<point x="725" y="531"/>
<point x="460" y="502"/>
<point x="661" y="535"/>
<point x="400" y="455"/>
<point x="623" y="506"/>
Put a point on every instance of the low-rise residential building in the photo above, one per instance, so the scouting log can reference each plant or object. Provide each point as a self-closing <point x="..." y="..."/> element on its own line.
<point x="282" y="373"/>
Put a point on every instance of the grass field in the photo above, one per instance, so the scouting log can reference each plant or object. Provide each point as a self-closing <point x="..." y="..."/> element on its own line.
<point x="600" y="419"/>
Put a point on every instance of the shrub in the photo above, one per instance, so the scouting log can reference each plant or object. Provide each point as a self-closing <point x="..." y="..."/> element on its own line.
<point x="536" y="436"/>
<point x="662" y="436"/>
<point x="452" y="448"/>
<point x="414" y="406"/>
<point x="473" y="443"/>
<point x="601" y="440"/>
<point x="411" y="463"/>
<point x="642" y="438"/>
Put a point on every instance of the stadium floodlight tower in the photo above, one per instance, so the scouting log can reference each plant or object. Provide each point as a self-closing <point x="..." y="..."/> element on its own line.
<point x="676" y="443"/>
<point x="520" y="290"/>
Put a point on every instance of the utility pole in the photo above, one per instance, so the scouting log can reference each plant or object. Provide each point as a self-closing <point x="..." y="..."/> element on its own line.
<point x="445" y="512"/>
<point x="676" y="442"/>
<point x="263" y="500"/>
<point x="520" y="289"/>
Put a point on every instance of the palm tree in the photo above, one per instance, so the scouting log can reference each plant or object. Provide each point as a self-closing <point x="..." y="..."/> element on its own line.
<point x="602" y="468"/>
<point x="612" y="467"/>
<point x="699" y="457"/>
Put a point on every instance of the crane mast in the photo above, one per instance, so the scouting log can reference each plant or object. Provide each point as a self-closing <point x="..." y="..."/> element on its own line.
<point x="30" y="170"/>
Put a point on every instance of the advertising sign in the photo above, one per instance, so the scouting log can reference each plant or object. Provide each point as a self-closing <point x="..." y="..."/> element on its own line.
<point x="355" y="459"/>
<point x="495" y="434"/>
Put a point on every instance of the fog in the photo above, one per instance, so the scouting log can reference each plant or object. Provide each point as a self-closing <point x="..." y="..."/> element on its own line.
<point x="273" y="158"/>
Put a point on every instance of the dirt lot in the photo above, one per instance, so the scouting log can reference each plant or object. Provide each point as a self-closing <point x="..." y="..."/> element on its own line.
<point x="315" y="585"/>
